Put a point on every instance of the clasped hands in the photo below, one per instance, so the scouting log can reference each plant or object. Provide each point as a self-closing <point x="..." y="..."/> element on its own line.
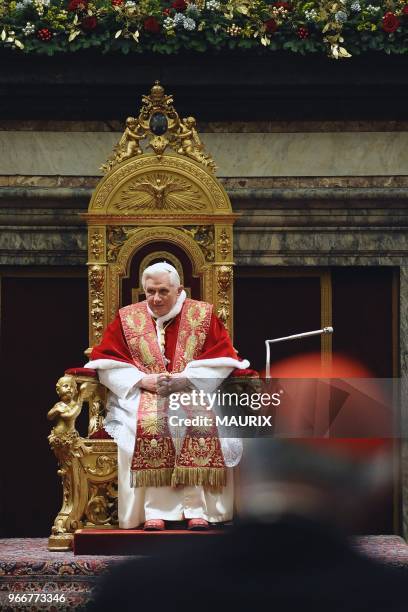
<point x="164" y="384"/>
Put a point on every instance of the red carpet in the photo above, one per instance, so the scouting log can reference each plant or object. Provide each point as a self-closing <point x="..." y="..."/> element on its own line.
<point x="26" y="566"/>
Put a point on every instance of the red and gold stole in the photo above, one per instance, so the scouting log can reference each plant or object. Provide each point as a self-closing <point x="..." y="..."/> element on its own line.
<point x="154" y="462"/>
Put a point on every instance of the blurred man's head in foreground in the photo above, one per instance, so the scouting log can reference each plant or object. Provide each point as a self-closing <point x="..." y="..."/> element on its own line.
<point x="335" y="481"/>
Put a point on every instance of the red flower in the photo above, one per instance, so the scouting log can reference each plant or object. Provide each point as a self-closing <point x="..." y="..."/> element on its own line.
<point x="166" y="12"/>
<point x="390" y="23"/>
<point x="89" y="23"/>
<point x="179" y="5"/>
<point x="303" y="32"/>
<point x="44" y="34"/>
<point x="117" y="2"/>
<point x="78" y="5"/>
<point x="405" y="10"/>
<point x="151" y="25"/>
<point x="285" y="5"/>
<point x="270" y="26"/>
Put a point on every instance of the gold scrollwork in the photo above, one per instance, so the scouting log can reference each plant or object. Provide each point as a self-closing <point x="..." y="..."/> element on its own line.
<point x="224" y="244"/>
<point x="96" y="245"/>
<point x="96" y="445"/>
<point x="159" y="122"/>
<point x="203" y="235"/>
<point x="105" y="465"/>
<point x="224" y="280"/>
<point x="97" y="511"/>
<point x="102" y="507"/>
<point x="96" y="285"/>
<point x="96" y="403"/>
<point x="117" y="236"/>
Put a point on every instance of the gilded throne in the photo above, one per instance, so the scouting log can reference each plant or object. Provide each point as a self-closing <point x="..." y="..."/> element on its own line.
<point x="158" y="199"/>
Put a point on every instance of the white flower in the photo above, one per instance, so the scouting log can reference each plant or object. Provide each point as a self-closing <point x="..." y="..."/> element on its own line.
<point x="29" y="28"/>
<point x="311" y="15"/>
<point x="130" y="4"/>
<point x="193" y="11"/>
<point x="212" y="5"/>
<point x="372" y="9"/>
<point x="22" y="4"/>
<point x="178" y="19"/>
<point x="168" y="23"/>
<point x="40" y="5"/>
<point x="234" y="30"/>
<point x="189" y="24"/>
<point x="355" y="7"/>
<point x="340" y="17"/>
<point x="279" y="12"/>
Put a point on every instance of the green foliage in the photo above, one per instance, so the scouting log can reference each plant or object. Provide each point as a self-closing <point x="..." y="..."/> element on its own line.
<point x="66" y="26"/>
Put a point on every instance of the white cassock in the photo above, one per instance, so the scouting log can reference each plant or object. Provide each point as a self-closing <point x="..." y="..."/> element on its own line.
<point x="139" y="504"/>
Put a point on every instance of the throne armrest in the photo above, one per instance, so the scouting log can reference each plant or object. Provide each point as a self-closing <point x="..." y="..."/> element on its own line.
<point x="99" y="433"/>
<point x="246" y="373"/>
<point x="82" y="372"/>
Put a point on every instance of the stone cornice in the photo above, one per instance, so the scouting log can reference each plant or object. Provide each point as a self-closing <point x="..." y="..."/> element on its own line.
<point x="54" y="196"/>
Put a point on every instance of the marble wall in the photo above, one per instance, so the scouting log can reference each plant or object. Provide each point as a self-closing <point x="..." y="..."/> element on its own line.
<point x="330" y="194"/>
<point x="236" y="154"/>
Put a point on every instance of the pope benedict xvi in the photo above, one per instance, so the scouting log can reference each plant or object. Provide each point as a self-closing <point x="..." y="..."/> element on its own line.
<point x="164" y="345"/>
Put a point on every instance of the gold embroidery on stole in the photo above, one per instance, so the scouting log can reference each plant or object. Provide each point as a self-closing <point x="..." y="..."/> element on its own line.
<point x="154" y="461"/>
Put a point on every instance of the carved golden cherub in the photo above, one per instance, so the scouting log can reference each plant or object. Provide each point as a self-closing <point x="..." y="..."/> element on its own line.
<point x="129" y="143"/>
<point x="67" y="410"/>
<point x="224" y="277"/>
<point x="190" y="143"/>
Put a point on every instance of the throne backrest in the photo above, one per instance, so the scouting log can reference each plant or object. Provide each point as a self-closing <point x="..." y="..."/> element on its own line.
<point x="165" y="204"/>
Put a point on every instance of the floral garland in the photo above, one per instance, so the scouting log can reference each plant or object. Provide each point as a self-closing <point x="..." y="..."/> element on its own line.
<point x="341" y="28"/>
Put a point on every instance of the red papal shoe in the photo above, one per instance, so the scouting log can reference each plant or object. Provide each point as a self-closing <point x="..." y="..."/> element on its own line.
<point x="154" y="525"/>
<point x="197" y="524"/>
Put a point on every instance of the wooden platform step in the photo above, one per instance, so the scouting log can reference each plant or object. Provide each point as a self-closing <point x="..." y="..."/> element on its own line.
<point x="132" y="541"/>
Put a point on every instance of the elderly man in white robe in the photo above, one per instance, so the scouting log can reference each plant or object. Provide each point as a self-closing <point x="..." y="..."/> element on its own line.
<point x="164" y="345"/>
